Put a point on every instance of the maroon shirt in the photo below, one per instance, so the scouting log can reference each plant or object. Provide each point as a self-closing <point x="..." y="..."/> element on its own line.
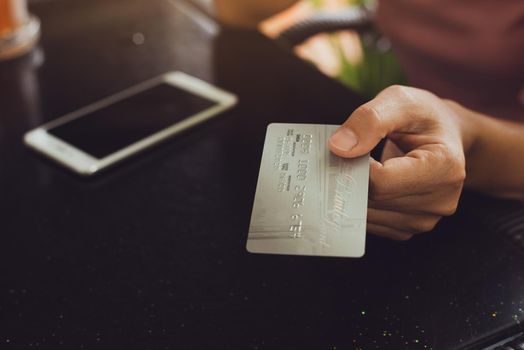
<point x="469" y="51"/>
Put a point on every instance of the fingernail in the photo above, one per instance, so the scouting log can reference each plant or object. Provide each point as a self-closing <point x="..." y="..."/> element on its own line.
<point x="344" y="139"/>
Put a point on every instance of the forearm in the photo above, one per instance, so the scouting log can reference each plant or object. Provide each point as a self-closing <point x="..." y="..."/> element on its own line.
<point x="494" y="156"/>
<point x="249" y="13"/>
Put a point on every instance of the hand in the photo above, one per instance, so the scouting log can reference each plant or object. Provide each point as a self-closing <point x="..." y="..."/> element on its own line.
<point x="422" y="170"/>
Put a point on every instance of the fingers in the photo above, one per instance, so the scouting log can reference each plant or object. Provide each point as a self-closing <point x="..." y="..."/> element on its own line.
<point x="393" y="110"/>
<point x="390" y="151"/>
<point x="442" y="204"/>
<point x="416" y="205"/>
<point x="420" y="171"/>
<point x="410" y="223"/>
<point x="388" y="232"/>
<point x="397" y="225"/>
<point x="402" y="175"/>
<point x="400" y="215"/>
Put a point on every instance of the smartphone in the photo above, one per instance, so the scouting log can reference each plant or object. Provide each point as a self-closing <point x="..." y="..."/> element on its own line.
<point x="108" y="131"/>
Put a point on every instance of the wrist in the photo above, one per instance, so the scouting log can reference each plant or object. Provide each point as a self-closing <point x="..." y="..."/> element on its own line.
<point x="476" y="131"/>
<point x="471" y="126"/>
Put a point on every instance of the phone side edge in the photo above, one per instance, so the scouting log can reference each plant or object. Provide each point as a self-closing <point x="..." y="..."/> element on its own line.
<point x="200" y="87"/>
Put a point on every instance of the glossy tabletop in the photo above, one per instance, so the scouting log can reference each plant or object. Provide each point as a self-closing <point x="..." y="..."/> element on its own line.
<point x="151" y="254"/>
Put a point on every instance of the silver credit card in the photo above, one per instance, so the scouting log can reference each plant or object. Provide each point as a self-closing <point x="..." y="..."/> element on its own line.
<point x="308" y="201"/>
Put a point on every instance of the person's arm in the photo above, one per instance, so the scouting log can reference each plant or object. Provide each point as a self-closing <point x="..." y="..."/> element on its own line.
<point x="495" y="159"/>
<point x="249" y="13"/>
<point x="432" y="145"/>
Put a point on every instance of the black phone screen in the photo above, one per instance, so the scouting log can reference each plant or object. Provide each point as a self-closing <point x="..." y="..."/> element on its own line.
<point x="113" y="127"/>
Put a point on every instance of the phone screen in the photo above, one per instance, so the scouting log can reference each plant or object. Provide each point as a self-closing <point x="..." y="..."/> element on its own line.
<point x="131" y="119"/>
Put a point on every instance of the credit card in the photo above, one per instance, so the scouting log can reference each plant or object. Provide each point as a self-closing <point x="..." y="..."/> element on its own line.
<point x="308" y="201"/>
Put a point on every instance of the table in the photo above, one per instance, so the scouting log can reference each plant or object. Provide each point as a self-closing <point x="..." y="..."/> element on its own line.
<point x="151" y="254"/>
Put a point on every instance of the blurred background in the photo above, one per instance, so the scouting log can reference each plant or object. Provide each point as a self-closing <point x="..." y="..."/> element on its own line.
<point x="328" y="37"/>
<point x="356" y="55"/>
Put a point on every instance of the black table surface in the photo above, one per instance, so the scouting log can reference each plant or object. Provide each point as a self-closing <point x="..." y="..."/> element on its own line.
<point x="151" y="254"/>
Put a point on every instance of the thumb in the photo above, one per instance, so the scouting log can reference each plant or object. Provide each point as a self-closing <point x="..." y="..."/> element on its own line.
<point x="391" y="111"/>
<point x="359" y="134"/>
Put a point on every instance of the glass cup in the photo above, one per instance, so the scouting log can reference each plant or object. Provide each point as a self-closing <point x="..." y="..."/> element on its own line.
<point x="19" y="31"/>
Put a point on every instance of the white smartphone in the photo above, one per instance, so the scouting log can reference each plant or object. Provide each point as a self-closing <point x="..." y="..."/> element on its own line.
<point x="105" y="132"/>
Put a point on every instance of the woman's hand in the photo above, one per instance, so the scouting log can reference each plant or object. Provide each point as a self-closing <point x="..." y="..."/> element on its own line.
<point x="422" y="170"/>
